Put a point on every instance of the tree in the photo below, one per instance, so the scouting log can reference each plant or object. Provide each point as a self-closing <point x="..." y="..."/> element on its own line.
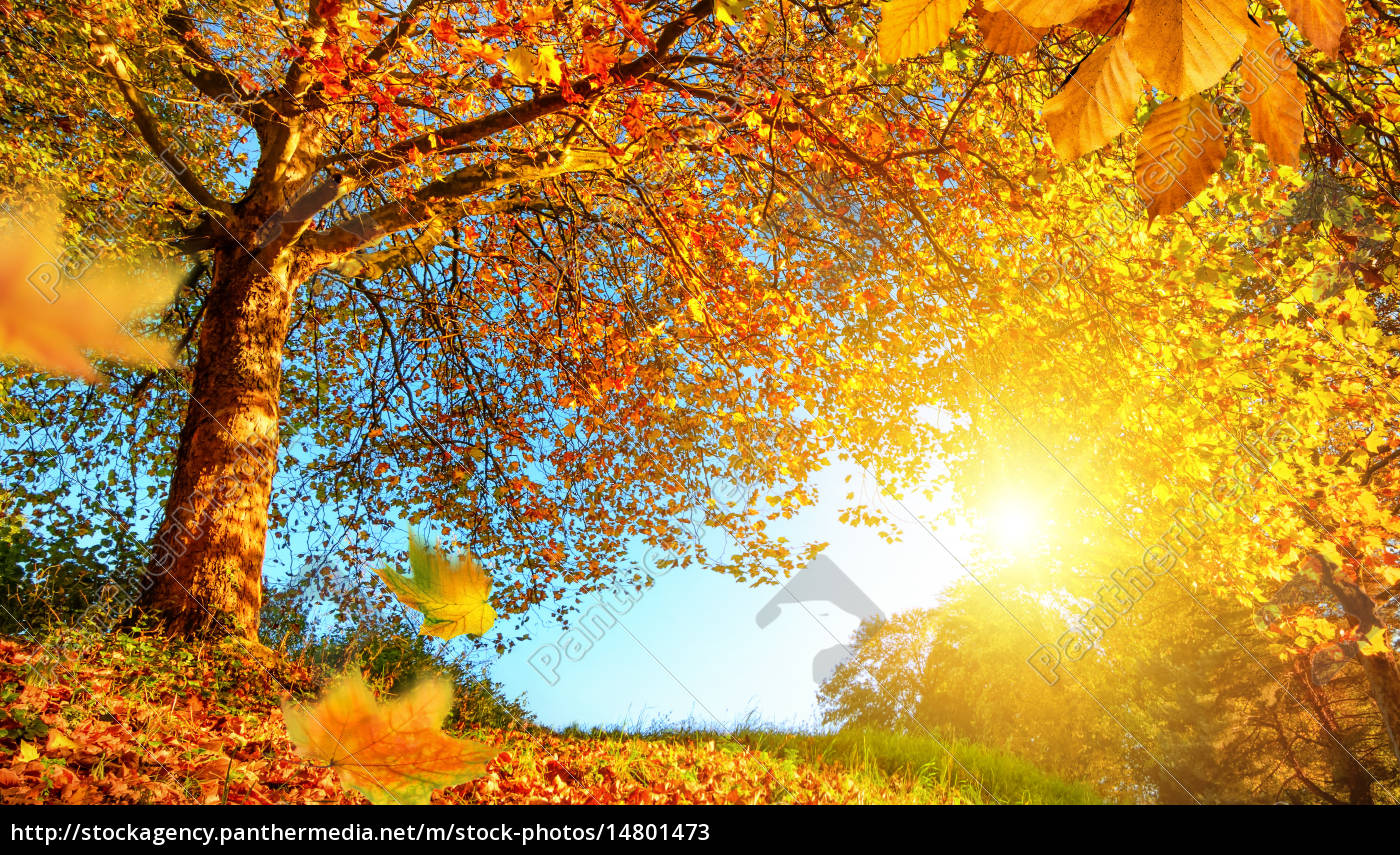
<point x="558" y="262"/>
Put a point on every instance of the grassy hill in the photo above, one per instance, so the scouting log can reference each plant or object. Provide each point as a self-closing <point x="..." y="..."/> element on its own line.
<point x="135" y="719"/>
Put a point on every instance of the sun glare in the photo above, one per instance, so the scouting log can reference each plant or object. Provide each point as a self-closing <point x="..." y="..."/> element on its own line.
<point x="1014" y="524"/>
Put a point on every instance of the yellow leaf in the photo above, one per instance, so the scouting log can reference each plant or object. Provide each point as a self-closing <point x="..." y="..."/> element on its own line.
<point x="52" y="310"/>
<point x="58" y="741"/>
<point x="394" y="752"/>
<point x="452" y="592"/>
<point x="1183" y="46"/>
<point x="1182" y="146"/>
<point x="1321" y="21"/>
<point x="27" y="752"/>
<point x="697" y="309"/>
<point x="548" y="66"/>
<point x="1002" y="33"/>
<point x="1096" y="104"/>
<point x="1274" y="95"/>
<point x="1373" y="643"/>
<point x="913" y="27"/>
<point x="521" y="63"/>
<point x="1046" y="13"/>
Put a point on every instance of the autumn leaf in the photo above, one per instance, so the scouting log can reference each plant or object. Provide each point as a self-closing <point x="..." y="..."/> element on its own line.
<point x="1002" y="33"/>
<point x="452" y="592"/>
<point x="394" y="752"/>
<point x="1274" y="95"/>
<point x="1046" y="13"/>
<point x="731" y="12"/>
<point x="1182" y="146"/>
<point x="52" y="310"/>
<point x="1096" y="104"/>
<point x="1102" y="19"/>
<point x="1183" y="46"/>
<point x="912" y="27"/>
<point x="1321" y="21"/>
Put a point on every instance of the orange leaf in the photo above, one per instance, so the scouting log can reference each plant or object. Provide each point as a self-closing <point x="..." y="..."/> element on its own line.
<point x="1096" y="104"/>
<point x="1182" y="146"/>
<point x="1045" y="13"/>
<point x="394" y="752"/>
<point x="913" y="27"/>
<point x="54" y="304"/>
<point x="1274" y="95"/>
<point x="1002" y="33"/>
<point x="1183" y="46"/>
<point x="1321" y="21"/>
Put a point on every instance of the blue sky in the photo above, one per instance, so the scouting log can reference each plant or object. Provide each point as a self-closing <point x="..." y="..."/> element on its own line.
<point x="691" y="648"/>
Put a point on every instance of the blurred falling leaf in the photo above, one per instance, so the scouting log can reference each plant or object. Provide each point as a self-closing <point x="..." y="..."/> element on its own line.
<point x="49" y="318"/>
<point x="453" y="592"/>
<point x="394" y="752"/>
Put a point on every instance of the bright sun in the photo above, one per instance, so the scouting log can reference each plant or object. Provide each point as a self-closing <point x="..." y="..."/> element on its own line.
<point x="1014" y="524"/>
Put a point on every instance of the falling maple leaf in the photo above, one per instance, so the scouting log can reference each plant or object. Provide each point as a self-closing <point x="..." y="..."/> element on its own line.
<point x="49" y="317"/>
<point x="394" y="752"/>
<point x="453" y="592"/>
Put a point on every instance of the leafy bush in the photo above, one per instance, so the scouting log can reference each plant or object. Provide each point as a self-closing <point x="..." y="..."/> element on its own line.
<point x="48" y="580"/>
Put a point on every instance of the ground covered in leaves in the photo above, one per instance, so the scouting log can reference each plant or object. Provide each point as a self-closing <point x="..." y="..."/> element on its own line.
<point x="132" y="719"/>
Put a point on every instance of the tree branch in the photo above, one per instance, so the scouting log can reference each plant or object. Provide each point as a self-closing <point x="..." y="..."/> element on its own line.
<point x="372" y="164"/>
<point x="440" y="197"/>
<point x="207" y="75"/>
<point x="109" y="59"/>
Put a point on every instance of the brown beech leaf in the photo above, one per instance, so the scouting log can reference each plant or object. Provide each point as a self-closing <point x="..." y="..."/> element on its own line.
<point x="1321" y="21"/>
<point x="1183" y="46"/>
<point x="1002" y="33"/>
<point x="1182" y="146"/>
<point x="913" y="27"/>
<point x="55" y="306"/>
<point x="1096" y="104"/>
<point x="1274" y="95"/>
<point x="1102" y="19"/>
<point x="394" y="752"/>
<point x="1044" y="13"/>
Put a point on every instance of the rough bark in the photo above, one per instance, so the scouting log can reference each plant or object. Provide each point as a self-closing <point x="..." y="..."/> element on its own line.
<point x="205" y="571"/>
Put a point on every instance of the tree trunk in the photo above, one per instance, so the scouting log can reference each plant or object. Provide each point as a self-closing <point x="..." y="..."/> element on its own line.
<point x="1381" y="672"/>
<point x="204" y="577"/>
<point x="1384" y="678"/>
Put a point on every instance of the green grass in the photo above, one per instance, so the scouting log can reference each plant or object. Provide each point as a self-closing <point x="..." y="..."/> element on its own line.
<point x="923" y="768"/>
